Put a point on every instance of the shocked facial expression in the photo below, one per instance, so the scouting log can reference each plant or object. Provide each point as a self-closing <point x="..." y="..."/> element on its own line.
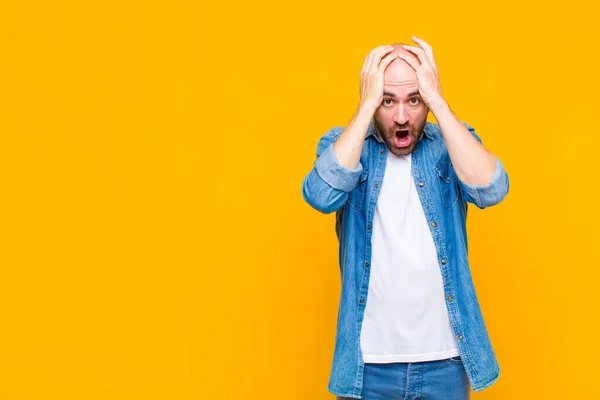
<point x="402" y="115"/>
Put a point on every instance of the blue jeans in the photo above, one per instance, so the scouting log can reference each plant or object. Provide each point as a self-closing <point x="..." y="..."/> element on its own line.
<point x="428" y="380"/>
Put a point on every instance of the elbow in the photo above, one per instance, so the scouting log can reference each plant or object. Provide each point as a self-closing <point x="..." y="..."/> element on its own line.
<point x="322" y="207"/>
<point x="489" y="195"/>
<point x="497" y="191"/>
<point x="321" y="196"/>
<point x="503" y="189"/>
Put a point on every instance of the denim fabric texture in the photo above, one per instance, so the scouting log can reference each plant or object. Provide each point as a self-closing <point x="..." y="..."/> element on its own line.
<point x="432" y="380"/>
<point x="352" y="194"/>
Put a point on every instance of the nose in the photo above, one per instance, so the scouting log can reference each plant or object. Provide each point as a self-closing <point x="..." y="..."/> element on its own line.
<point x="401" y="115"/>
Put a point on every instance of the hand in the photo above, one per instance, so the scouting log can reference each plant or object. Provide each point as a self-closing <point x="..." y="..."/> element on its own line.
<point x="427" y="72"/>
<point x="371" y="76"/>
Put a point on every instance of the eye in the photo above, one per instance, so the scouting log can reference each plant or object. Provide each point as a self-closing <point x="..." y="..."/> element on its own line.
<point x="416" y="101"/>
<point x="387" y="102"/>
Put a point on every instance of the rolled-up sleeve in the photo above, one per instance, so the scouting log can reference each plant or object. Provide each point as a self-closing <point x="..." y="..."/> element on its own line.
<point x="486" y="195"/>
<point x="334" y="174"/>
<point x="326" y="187"/>
<point x="491" y="194"/>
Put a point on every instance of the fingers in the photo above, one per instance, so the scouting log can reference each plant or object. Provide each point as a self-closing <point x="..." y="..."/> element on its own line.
<point x="369" y="57"/>
<point x="371" y="79"/>
<point x="428" y="51"/>
<point x="426" y="47"/>
<point x="419" y="52"/>
<point x="410" y="61"/>
<point x="374" y="57"/>
<point x="421" y="42"/>
<point x="386" y="61"/>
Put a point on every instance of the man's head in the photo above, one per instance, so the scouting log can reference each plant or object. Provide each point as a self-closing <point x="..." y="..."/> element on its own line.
<point x="401" y="116"/>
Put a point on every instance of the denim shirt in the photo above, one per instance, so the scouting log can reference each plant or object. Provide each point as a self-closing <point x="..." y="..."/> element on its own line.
<point x="352" y="194"/>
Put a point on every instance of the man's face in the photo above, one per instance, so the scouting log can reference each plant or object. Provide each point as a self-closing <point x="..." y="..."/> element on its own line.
<point x="401" y="117"/>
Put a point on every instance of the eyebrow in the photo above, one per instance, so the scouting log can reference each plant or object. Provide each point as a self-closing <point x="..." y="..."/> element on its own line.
<point x="393" y="95"/>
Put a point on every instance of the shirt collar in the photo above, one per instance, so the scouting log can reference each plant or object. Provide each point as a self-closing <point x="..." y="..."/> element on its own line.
<point x="371" y="131"/>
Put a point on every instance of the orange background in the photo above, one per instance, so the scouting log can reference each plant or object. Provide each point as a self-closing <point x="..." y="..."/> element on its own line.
<point x="155" y="242"/>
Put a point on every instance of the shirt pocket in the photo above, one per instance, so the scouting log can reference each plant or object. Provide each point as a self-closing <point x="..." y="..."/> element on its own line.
<point x="357" y="195"/>
<point x="448" y="184"/>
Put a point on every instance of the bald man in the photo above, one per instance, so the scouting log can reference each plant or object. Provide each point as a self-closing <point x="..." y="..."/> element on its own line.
<point x="409" y="323"/>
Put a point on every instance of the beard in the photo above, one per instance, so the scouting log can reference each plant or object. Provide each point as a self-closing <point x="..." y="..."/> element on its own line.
<point x="401" y="139"/>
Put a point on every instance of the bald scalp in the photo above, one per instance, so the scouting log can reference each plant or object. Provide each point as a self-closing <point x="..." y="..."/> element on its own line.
<point x="399" y="72"/>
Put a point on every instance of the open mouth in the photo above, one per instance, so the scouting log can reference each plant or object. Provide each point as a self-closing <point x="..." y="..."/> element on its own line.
<point x="402" y="138"/>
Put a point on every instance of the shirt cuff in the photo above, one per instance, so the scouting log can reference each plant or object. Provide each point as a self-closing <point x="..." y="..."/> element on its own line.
<point x="334" y="174"/>
<point x="492" y="193"/>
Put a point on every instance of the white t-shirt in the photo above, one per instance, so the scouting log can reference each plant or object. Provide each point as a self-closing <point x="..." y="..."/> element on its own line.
<point x="406" y="319"/>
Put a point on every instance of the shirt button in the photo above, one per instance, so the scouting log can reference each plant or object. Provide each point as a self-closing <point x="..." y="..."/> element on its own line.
<point x="433" y="224"/>
<point x="444" y="262"/>
<point x="459" y="337"/>
<point x="450" y="298"/>
<point x="447" y="178"/>
<point x="368" y="226"/>
<point x="421" y="184"/>
<point x="363" y="300"/>
<point x="367" y="264"/>
<point x="376" y="185"/>
<point x="381" y="152"/>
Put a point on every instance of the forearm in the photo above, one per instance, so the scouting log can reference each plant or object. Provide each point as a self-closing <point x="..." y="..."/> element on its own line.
<point x="473" y="163"/>
<point x="348" y="147"/>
